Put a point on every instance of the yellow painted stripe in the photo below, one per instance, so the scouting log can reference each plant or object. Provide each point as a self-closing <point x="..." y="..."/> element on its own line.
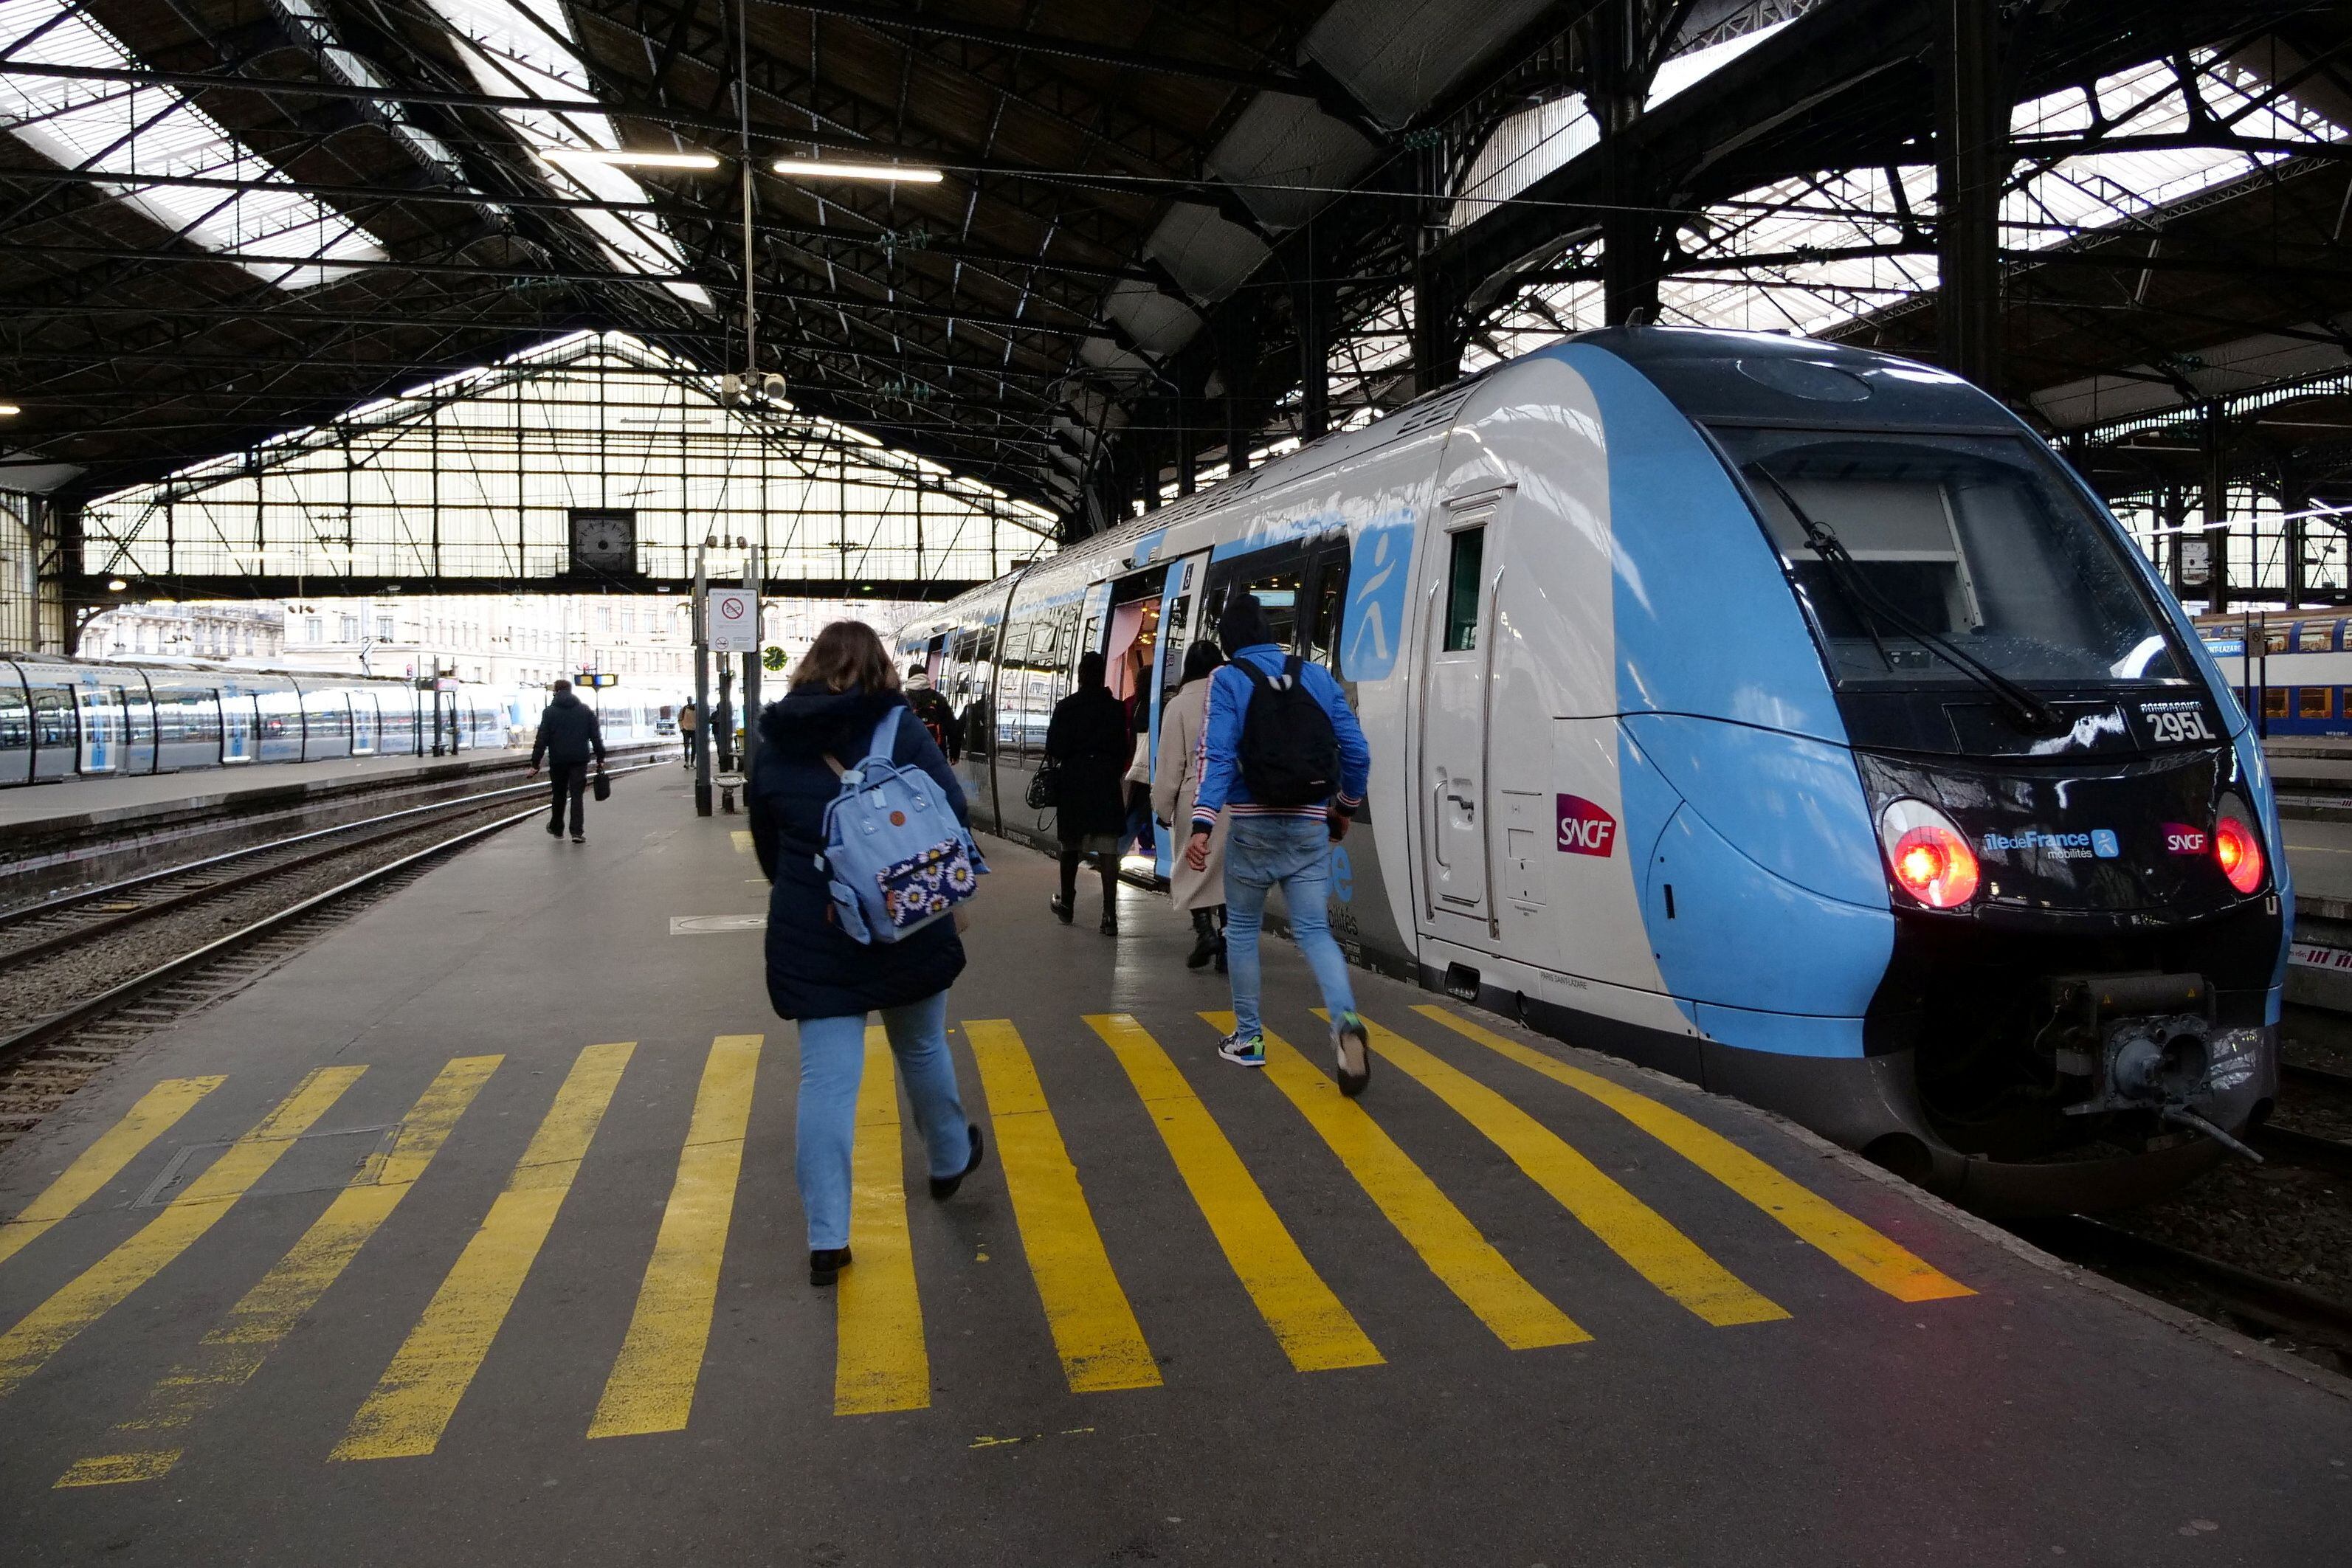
<point x="152" y="1116"/>
<point x="743" y="845"/>
<point x="1854" y="1246"/>
<point x="234" y="1351"/>
<point x="419" y="1391"/>
<point x="651" y="1386"/>
<point x="879" y="1359"/>
<point x="1101" y="1345"/>
<point x="1462" y="1259"/>
<point x="1308" y="1321"/>
<point x="51" y="1325"/>
<point x="1625" y="1224"/>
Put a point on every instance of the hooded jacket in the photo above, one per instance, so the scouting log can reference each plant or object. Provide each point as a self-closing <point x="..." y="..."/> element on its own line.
<point x="815" y="968"/>
<point x="568" y="732"/>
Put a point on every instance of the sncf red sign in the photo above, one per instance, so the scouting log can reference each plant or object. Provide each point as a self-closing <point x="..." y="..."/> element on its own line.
<point x="2180" y="839"/>
<point x="1585" y="828"/>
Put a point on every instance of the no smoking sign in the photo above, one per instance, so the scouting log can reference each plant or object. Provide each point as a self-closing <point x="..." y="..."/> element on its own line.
<point x="730" y="621"/>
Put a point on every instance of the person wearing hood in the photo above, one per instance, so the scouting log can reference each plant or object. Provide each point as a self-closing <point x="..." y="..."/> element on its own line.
<point x="1088" y="740"/>
<point x="821" y="978"/>
<point x="933" y="710"/>
<point x="568" y="735"/>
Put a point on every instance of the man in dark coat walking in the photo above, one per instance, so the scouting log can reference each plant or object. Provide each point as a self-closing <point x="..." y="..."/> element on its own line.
<point x="568" y="737"/>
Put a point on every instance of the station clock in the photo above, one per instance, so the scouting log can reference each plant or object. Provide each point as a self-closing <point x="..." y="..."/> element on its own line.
<point x="604" y="540"/>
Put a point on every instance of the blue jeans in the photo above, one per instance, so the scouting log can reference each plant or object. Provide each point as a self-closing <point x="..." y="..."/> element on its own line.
<point x="1295" y="853"/>
<point x="832" y="1063"/>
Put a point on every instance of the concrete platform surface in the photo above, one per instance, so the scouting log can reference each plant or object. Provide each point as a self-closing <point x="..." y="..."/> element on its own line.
<point x="469" y="1237"/>
<point x="110" y="801"/>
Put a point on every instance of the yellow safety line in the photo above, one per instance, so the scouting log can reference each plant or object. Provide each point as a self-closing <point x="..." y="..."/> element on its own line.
<point x="1308" y="1321"/>
<point x="234" y="1349"/>
<point x="651" y="1388"/>
<point x="1101" y="1345"/>
<point x="743" y="845"/>
<point x="1625" y="1224"/>
<point x="419" y="1391"/>
<point x="155" y="1114"/>
<point x="879" y="1359"/>
<point x="1853" y="1245"/>
<point x="1462" y="1259"/>
<point x="102" y="1286"/>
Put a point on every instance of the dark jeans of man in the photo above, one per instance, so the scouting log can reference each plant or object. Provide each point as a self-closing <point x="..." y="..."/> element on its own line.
<point x="685" y="745"/>
<point x="566" y="780"/>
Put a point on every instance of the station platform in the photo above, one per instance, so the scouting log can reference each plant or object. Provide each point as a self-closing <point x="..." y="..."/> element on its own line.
<point x="82" y="804"/>
<point x="469" y="1237"/>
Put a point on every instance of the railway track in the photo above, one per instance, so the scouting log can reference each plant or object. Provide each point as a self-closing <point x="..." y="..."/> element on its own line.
<point x="43" y="1062"/>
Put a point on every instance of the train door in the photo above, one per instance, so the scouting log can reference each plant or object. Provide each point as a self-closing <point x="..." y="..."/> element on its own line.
<point x="102" y="728"/>
<point x="140" y="752"/>
<point x="240" y="726"/>
<point x="55" y="742"/>
<point x="364" y="722"/>
<point x="1181" y="626"/>
<point x="15" y="727"/>
<point x="1450" y="767"/>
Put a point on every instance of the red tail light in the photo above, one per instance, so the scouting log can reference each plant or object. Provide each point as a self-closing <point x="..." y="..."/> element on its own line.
<point x="1927" y="855"/>
<point x="2237" y="848"/>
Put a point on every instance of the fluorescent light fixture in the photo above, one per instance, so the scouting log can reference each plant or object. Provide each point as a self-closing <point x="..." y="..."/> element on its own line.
<point x="9" y="411"/>
<point x="826" y="169"/>
<point x="116" y="586"/>
<point x="624" y="158"/>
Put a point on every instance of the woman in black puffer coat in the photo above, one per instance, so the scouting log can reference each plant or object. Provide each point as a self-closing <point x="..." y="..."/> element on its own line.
<point x="817" y="974"/>
<point x="1088" y="741"/>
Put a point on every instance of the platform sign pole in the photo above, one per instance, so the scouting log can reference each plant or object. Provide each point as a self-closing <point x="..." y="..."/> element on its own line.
<point x="754" y="574"/>
<point x="701" y="687"/>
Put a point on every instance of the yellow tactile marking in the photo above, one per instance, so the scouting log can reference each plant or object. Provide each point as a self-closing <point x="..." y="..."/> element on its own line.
<point x="155" y="1114"/>
<point x="1095" y="1330"/>
<point x="1464" y="1260"/>
<point x="148" y="1444"/>
<point x="879" y="1359"/>
<point x="1314" y="1329"/>
<point x="743" y="837"/>
<point x="651" y="1386"/>
<point x="1625" y="1224"/>
<point x="1853" y="1245"/>
<point x="102" y="1286"/>
<point x="419" y="1391"/>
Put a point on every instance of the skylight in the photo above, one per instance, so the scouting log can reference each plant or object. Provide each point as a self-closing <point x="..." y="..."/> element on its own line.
<point x="526" y="48"/>
<point x="116" y="128"/>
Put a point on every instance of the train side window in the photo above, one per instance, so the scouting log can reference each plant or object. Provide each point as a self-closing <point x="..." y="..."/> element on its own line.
<point x="2314" y="702"/>
<point x="2315" y="637"/>
<point x="1468" y="550"/>
<point x="2274" y="702"/>
<point x="1322" y="621"/>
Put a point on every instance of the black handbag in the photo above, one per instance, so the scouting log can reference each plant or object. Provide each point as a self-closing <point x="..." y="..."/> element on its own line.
<point x="603" y="784"/>
<point x="1045" y="786"/>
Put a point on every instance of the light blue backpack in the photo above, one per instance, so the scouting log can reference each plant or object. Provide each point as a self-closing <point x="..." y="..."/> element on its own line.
<point x="895" y="852"/>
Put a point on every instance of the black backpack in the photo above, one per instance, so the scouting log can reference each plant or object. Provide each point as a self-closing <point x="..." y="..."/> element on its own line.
<point x="1289" y="752"/>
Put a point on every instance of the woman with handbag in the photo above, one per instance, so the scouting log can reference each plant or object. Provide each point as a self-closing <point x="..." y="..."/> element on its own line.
<point x="1200" y="893"/>
<point x="1087" y="745"/>
<point x="817" y="973"/>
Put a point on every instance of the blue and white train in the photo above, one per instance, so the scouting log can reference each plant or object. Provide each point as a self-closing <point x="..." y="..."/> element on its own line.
<point x="83" y="718"/>
<point x="2291" y="668"/>
<point x="1781" y="714"/>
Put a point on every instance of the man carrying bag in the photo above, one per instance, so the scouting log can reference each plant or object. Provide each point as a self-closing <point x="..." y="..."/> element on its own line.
<point x="568" y="735"/>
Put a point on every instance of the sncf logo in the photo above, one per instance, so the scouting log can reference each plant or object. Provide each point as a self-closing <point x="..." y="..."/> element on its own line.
<point x="1585" y="828"/>
<point x="2180" y="839"/>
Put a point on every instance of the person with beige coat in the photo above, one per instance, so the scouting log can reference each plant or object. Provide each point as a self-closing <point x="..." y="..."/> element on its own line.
<point x="1175" y="781"/>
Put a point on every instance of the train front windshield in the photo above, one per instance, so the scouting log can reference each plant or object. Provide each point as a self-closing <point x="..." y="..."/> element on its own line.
<point x="1900" y="543"/>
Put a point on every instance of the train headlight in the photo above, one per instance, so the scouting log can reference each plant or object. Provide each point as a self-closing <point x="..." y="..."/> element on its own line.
<point x="1926" y="854"/>
<point x="2237" y="847"/>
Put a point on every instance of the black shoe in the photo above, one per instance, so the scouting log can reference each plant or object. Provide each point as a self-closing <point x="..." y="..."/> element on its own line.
<point x="554" y="829"/>
<point x="1110" y="927"/>
<point x="1206" y="944"/>
<point x="579" y="838"/>
<point x="1062" y="911"/>
<point x="944" y="1187"/>
<point x="826" y="1265"/>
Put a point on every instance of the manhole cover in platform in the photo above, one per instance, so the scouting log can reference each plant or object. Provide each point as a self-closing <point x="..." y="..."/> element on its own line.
<point x="315" y="1162"/>
<point x="710" y="925"/>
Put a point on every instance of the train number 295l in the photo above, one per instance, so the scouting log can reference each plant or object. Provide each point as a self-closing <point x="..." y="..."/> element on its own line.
<point x="2176" y="727"/>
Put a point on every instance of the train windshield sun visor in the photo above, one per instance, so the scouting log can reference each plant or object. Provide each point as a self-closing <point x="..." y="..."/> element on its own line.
<point x="1930" y="558"/>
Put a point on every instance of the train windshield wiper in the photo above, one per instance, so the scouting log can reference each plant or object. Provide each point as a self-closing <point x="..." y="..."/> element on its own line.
<point x="2027" y="711"/>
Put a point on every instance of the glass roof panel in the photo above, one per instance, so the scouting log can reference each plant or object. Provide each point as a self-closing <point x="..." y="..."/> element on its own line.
<point x="114" y="128"/>
<point x="526" y="48"/>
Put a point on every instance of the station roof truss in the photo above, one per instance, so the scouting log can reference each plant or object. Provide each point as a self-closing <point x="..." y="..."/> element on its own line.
<point x="476" y="480"/>
<point x="1161" y="238"/>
